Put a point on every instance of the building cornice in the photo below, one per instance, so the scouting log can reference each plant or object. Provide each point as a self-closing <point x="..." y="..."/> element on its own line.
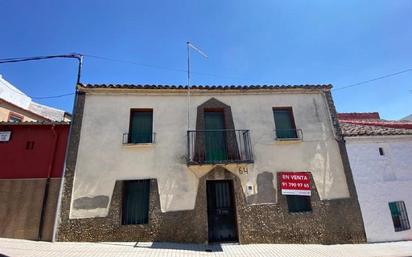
<point x="200" y="90"/>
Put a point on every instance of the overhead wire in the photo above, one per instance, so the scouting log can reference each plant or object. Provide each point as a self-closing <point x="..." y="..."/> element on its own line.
<point x="76" y="55"/>
<point x="38" y="58"/>
<point x="374" y="79"/>
<point x="162" y="67"/>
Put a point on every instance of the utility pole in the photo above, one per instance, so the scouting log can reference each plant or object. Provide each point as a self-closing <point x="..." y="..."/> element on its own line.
<point x="78" y="57"/>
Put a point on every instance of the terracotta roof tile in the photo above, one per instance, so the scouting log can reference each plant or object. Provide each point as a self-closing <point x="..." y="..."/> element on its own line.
<point x="205" y="87"/>
<point x="352" y="129"/>
<point x="35" y="123"/>
<point x="358" y="115"/>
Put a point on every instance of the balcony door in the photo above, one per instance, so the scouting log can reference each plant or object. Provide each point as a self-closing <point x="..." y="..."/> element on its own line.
<point x="214" y="136"/>
<point x="141" y="126"/>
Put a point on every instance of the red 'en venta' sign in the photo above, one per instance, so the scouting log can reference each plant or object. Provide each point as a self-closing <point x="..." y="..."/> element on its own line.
<point x="295" y="183"/>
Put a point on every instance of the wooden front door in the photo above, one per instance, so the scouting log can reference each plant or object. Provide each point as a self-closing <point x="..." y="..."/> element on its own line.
<point x="221" y="211"/>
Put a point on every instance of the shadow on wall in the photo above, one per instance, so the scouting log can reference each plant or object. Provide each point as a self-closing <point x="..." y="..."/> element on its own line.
<point x="177" y="246"/>
<point x="266" y="192"/>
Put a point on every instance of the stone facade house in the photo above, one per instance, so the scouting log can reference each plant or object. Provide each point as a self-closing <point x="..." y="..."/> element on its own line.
<point x="250" y="164"/>
<point x="380" y="155"/>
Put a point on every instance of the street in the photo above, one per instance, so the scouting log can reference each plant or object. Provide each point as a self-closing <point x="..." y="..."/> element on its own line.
<point x="20" y="248"/>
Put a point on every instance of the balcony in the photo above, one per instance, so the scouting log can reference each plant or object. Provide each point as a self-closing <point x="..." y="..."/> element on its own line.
<point x="138" y="138"/>
<point x="222" y="146"/>
<point x="288" y="135"/>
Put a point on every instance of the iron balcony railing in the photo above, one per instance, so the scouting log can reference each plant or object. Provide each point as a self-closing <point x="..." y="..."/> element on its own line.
<point x="288" y="134"/>
<point x="139" y="138"/>
<point x="219" y="146"/>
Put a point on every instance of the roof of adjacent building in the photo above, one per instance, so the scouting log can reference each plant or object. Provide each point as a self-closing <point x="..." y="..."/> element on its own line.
<point x="35" y="123"/>
<point x="408" y="118"/>
<point x="358" y="116"/>
<point x="370" y="124"/>
<point x="13" y="95"/>
<point x="200" y="87"/>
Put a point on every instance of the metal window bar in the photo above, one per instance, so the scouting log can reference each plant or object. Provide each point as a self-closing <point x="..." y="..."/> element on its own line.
<point x="219" y="146"/>
<point x="139" y="138"/>
<point x="288" y="134"/>
<point x="399" y="216"/>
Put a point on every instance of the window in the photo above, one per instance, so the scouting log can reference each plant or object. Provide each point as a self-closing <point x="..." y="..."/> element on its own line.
<point x="29" y="145"/>
<point x="381" y="151"/>
<point x="141" y="126"/>
<point x="298" y="203"/>
<point x="399" y="216"/>
<point x="14" y="117"/>
<point x="285" y="124"/>
<point x="136" y="202"/>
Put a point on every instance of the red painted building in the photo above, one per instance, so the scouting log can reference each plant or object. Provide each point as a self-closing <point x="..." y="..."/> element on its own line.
<point x="32" y="159"/>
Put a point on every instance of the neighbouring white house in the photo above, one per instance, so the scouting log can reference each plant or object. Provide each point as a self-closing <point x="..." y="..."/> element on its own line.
<point x="16" y="106"/>
<point x="380" y="155"/>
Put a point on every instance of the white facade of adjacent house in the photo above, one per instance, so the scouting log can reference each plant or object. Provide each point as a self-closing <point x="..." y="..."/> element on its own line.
<point x="382" y="176"/>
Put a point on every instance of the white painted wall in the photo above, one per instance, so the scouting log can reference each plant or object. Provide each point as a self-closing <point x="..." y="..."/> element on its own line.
<point x="12" y="95"/>
<point x="102" y="159"/>
<point x="380" y="180"/>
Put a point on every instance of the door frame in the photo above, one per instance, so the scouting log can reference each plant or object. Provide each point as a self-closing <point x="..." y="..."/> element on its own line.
<point x="234" y="216"/>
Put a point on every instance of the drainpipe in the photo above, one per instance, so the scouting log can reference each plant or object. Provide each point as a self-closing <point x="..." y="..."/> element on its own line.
<point x="46" y="189"/>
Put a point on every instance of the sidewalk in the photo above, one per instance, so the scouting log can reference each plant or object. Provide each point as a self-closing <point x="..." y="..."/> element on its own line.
<point x="20" y="248"/>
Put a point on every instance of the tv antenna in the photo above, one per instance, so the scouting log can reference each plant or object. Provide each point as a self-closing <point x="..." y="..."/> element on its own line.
<point x="190" y="46"/>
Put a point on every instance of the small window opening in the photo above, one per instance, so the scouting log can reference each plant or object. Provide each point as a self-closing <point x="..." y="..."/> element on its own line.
<point x="298" y="203"/>
<point x="136" y="202"/>
<point x="29" y="145"/>
<point x="381" y="151"/>
<point x="399" y="216"/>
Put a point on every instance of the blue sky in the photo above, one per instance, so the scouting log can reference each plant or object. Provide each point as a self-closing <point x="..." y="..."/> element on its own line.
<point x="248" y="42"/>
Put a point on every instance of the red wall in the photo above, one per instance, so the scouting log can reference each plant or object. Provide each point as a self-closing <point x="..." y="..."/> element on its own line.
<point x="48" y="151"/>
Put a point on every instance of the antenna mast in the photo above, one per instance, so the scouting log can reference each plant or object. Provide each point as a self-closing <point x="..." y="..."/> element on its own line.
<point x="190" y="46"/>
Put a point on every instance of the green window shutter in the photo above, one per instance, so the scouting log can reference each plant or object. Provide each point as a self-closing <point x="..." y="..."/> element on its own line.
<point x="285" y="127"/>
<point x="136" y="202"/>
<point x="298" y="203"/>
<point x="141" y="127"/>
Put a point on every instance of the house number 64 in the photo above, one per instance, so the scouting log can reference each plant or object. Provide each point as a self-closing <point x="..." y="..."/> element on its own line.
<point x="243" y="170"/>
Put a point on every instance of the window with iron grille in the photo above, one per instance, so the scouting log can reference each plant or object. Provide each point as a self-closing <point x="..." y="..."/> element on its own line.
<point x="141" y="126"/>
<point x="136" y="202"/>
<point x="298" y="203"/>
<point x="284" y="123"/>
<point x="399" y="216"/>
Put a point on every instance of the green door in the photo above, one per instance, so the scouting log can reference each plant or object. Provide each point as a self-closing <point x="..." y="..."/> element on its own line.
<point x="215" y="140"/>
